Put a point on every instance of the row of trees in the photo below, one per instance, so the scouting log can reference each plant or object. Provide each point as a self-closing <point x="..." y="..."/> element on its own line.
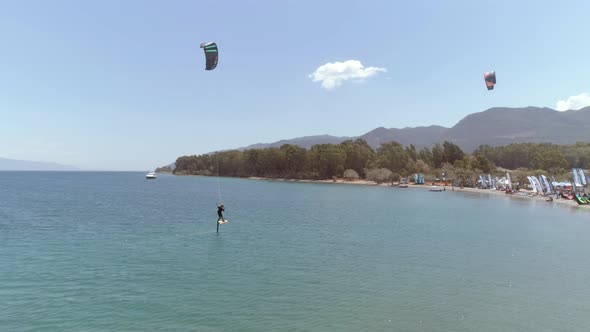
<point x="548" y="157"/>
<point x="356" y="159"/>
<point x="324" y="161"/>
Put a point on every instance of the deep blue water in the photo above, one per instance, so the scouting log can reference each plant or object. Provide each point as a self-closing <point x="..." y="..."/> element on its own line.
<point x="115" y="252"/>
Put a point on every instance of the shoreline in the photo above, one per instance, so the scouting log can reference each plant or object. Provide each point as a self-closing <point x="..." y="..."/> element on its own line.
<point x="522" y="195"/>
<point x="337" y="181"/>
<point x="519" y="195"/>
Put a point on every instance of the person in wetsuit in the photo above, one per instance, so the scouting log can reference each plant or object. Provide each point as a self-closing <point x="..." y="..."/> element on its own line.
<point x="220" y="209"/>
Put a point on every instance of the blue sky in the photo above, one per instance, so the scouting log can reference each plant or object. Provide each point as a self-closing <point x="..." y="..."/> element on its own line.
<point x="121" y="85"/>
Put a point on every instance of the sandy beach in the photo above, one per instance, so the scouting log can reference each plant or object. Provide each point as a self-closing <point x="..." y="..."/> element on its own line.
<point x="525" y="195"/>
<point x="516" y="195"/>
<point x="337" y="181"/>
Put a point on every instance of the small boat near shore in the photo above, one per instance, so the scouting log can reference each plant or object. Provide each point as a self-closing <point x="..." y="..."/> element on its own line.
<point x="581" y="200"/>
<point x="436" y="189"/>
<point x="151" y="176"/>
<point x="402" y="185"/>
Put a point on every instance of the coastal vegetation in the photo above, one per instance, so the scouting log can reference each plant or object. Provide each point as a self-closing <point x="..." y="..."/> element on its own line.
<point x="165" y="169"/>
<point x="391" y="162"/>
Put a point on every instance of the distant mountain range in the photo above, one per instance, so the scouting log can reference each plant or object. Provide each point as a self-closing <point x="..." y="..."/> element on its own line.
<point x="306" y="142"/>
<point x="495" y="126"/>
<point x="23" y="165"/>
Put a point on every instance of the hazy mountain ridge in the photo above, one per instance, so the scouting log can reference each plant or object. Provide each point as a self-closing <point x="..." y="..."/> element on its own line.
<point x="495" y="126"/>
<point x="25" y="165"/>
<point x="418" y="136"/>
<point x="305" y="141"/>
<point x="502" y="126"/>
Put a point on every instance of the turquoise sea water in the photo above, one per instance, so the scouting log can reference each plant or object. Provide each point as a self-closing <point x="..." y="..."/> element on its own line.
<point x="115" y="252"/>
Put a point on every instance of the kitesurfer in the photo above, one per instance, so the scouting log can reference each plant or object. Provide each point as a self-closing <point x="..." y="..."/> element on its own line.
<point x="220" y="209"/>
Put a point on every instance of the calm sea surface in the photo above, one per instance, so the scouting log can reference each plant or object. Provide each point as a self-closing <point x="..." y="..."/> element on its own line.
<point x="115" y="252"/>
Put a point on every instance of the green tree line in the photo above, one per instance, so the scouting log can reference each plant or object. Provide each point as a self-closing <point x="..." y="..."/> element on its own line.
<point x="355" y="159"/>
<point x="548" y="157"/>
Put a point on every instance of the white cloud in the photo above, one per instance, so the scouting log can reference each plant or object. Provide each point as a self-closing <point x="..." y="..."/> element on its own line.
<point x="574" y="102"/>
<point x="333" y="74"/>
